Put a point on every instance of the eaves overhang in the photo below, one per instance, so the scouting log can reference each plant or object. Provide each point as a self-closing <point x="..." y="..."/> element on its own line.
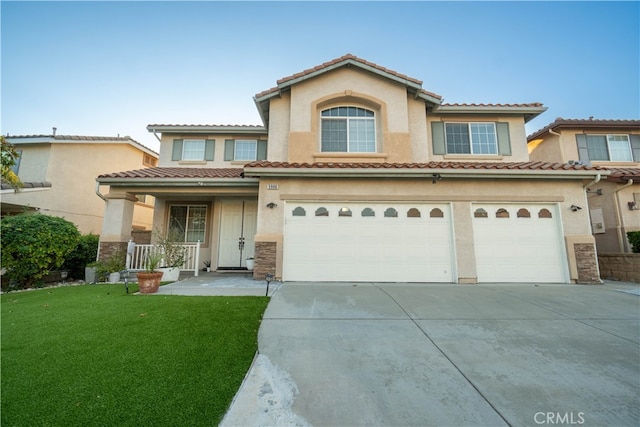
<point x="179" y="182"/>
<point x="528" y="111"/>
<point x="208" y="129"/>
<point x="422" y="171"/>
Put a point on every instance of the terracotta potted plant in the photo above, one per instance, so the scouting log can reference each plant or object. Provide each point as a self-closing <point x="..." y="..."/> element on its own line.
<point x="149" y="279"/>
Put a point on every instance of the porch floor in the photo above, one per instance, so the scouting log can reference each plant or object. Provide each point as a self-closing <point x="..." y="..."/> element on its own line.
<point x="216" y="283"/>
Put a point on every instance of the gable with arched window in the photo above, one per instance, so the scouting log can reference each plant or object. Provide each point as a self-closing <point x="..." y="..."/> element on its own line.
<point x="348" y="129"/>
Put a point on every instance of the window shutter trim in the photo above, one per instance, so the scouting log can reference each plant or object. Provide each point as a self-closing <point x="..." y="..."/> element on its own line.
<point x="504" y="140"/>
<point x="229" y="149"/>
<point x="209" y="149"/>
<point x="583" y="150"/>
<point x="634" y="140"/>
<point x="177" y="149"/>
<point x="437" y="136"/>
<point x="262" y="150"/>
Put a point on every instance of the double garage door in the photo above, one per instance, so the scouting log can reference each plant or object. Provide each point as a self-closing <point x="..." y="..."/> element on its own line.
<point x="411" y="242"/>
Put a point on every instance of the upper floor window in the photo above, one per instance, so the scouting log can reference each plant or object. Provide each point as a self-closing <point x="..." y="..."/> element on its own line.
<point x="471" y="138"/>
<point x="615" y="148"/>
<point x="245" y="150"/>
<point x="349" y="130"/>
<point x="193" y="149"/>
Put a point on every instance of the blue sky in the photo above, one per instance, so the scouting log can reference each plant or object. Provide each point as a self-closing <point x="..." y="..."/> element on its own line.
<point x="108" y="68"/>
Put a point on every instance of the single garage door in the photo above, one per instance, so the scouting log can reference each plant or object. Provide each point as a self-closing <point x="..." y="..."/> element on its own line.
<point x="368" y="242"/>
<point x="519" y="243"/>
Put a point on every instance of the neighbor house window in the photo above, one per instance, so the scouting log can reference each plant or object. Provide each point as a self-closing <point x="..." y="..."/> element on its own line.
<point x="16" y="166"/>
<point x="148" y="160"/>
<point x="188" y="222"/>
<point x="471" y="138"/>
<point x="615" y="148"/>
<point x="348" y="129"/>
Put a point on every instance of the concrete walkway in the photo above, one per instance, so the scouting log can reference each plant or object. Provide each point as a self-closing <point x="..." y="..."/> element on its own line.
<point x="446" y="355"/>
<point x="219" y="284"/>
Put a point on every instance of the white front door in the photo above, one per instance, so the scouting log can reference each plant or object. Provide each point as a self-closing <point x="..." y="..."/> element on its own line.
<point x="238" y="226"/>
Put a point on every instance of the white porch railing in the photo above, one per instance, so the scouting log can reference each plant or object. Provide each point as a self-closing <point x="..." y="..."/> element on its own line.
<point x="137" y="256"/>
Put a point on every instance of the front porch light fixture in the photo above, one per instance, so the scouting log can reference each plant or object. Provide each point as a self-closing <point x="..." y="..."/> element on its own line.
<point x="271" y="205"/>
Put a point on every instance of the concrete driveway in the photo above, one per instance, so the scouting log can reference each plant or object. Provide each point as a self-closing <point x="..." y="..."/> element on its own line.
<point x="445" y="355"/>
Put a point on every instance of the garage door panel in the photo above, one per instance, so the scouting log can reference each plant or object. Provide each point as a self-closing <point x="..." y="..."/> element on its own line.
<point x="369" y="248"/>
<point x="519" y="249"/>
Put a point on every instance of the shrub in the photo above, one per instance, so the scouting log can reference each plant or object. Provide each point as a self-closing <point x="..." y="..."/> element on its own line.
<point x="33" y="245"/>
<point x="634" y="239"/>
<point x="84" y="254"/>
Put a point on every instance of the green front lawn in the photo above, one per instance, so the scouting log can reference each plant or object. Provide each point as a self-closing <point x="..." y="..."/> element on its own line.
<point x="94" y="356"/>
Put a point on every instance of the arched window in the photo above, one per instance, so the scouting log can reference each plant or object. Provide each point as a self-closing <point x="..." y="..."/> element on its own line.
<point x="322" y="212"/>
<point x="391" y="213"/>
<point x="413" y="213"/>
<point x="524" y="213"/>
<point x="368" y="212"/>
<point x="299" y="211"/>
<point x="436" y="213"/>
<point x="480" y="213"/>
<point x="344" y="212"/>
<point x="544" y="213"/>
<point x="348" y="129"/>
<point x="502" y="213"/>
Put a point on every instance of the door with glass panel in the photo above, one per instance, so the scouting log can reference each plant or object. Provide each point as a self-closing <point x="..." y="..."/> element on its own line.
<point x="238" y="224"/>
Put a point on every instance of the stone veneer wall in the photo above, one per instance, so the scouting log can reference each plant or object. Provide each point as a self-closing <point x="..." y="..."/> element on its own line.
<point x="107" y="249"/>
<point x="587" y="263"/>
<point x="265" y="260"/>
<point x="141" y="237"/>
<point x="619" y="266"/>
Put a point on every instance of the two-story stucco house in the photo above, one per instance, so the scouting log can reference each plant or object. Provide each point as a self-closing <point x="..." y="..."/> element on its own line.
<point x="360" y="174"/>
<point x="58" y="172"/>
<point x="613" y="200"/>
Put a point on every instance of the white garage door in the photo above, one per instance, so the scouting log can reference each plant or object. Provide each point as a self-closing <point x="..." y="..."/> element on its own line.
<point x="368" y="242"/>
<point x="519" y="243"/>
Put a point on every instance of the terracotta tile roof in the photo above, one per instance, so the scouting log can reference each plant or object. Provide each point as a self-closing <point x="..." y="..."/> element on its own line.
<point x="624" y="174"/>
<point x="532" y="166"/>
<point x="526" y="105"/>
<point x="181" y="172"/>
<point x="204" y="126"/>
<point x="44" y="184"/>
<point x="590" y="123"/>
<point x="347" y="59"/>
<point x="75" y="137"/>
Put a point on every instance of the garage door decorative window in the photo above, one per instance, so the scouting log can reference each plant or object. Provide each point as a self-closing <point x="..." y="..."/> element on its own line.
<point x="344" y="212"/>
<point x="299" y="211"/>
<point x="436" y="213"/>
<point x="524" y="213"/>
<point x="322" y="212"/>
<point x="544" y="213"/>
<point x="480" y="213"/>
<point x="368" y="212"/>
<point x="413" y="213"/>
<point x="391" y="213"/>
<point x="502" y="213"/>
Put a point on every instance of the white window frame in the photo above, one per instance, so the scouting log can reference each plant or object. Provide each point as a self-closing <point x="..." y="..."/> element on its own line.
<point x="191" y="151"/>
<point x="348" y="119"/>
<point x="184" y="229"/>
<point x="471" y="135"/>
<point x="247" y="155"/>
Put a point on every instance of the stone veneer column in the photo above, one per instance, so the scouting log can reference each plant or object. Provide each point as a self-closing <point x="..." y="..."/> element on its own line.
<point x="265" y="260"/>
<point x="587" y="263"/>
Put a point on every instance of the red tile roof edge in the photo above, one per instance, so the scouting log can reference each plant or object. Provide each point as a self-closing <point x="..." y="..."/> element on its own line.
<point x="584" y="123"/>
<point x="177" y="172"/>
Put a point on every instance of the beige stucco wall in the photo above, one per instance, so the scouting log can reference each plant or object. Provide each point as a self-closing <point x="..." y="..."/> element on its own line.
<point x="618" y="218"/>
<point x="72" y="170"/>
<point x="461" y="193"/>
<point x="517" y="136"/>
<point x="166" y="150"/>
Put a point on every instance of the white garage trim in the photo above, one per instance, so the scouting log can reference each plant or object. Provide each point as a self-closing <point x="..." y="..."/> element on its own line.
<point x="367" y="242"/>
<point x="519" y="243"/>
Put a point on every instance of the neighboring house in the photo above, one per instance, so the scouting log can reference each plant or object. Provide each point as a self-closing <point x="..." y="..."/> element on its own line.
<point x="359" y="174"/>
<point x="614" y="200"/>
<point x="59" y="175"/>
